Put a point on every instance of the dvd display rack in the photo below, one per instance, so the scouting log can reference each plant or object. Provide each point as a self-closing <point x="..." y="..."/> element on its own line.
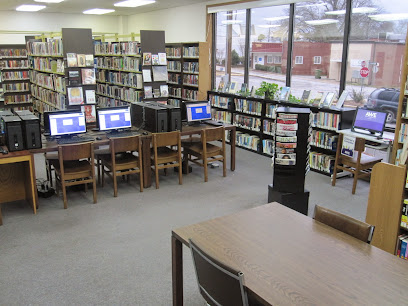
<point x="118" y="73"/>
<point x="15" y="81"/>
<point x="255" y="121"/>
<point x="189" y="77"/>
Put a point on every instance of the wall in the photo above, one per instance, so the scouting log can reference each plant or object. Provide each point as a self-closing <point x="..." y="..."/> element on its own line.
<point x="21" y="21"/>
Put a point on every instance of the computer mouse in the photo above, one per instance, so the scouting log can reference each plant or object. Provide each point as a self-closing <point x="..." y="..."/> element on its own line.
<point x="145" y="133"/>
<point x="98" y="138"/>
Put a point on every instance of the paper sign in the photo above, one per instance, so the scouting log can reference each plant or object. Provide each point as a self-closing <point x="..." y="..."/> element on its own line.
<point x="348" y="145"/>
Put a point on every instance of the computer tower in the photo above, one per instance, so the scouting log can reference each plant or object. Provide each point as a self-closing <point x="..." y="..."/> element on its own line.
<point x="23" y="112"/>
<point x="173" y="116"/>
<point x="13" y="133"/>
<point x="136" y="113"/>
<point x="31" y="131"/>
<point x="155" y="119"/>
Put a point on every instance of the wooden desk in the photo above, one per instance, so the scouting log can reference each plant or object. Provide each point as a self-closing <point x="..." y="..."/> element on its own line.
<point x="288" y="258"/>
<point x="17" y="178"/>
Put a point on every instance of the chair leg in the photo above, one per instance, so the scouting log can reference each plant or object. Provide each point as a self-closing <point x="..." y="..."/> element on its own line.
<point x="353" y="191"/>
<point x="64" y="194"/>
<point x="98" y="168"/>
<point x="103" y="175"/>
<point x="94" y="190"/>
<point x="156" y="172"/>
<point x="141" y="182"/>
<point x="180" y="173"/>
<point x="86" y="187"/>
<point x="224" y="167"/>
<point x="115" y="185"/>
<point x="205" y="162"/>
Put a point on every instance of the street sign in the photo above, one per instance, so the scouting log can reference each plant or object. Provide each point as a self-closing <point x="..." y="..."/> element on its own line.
<point x="364" y="72"/>
<point x="363" y="64"/>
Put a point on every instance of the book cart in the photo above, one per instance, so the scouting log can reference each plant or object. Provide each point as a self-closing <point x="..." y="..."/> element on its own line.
<point x="255" y="118"/>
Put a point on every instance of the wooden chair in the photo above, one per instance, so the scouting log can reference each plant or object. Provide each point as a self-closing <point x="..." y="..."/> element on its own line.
<point x="164" y="157"/>
<point x="218" y="283"/>
<point x="207" y="152"/>
<point x="353" y="227"/>
<point x="360" y="165"/>
<point x="75" y="167"/>
<point x="122" y="161"/>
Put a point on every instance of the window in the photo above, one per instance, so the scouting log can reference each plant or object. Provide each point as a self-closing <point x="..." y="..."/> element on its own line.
<point x="277" y="59"/>
<point x="317" y="60"/>
<point x="270" y="60"/>
<point x="299" y="60"/>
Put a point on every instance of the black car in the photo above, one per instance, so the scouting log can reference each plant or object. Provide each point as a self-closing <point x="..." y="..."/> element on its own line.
<point x="385" y="100"/>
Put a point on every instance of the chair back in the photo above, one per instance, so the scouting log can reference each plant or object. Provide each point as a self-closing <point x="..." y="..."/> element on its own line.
<point x="346" y="224"/>
<point x="125" y="144"/>
<point x="166" y="139"/>
<point x="213" y="134"/>
<point x="75" y="151"/>
<point x="218" y="283"/>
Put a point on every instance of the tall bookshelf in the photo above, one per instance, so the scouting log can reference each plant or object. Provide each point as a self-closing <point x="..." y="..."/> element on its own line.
<point x="255" y="122"/>
<point x="189" y="76"/>
<point x="118" y="76"/>
<point x="15" y="82"/>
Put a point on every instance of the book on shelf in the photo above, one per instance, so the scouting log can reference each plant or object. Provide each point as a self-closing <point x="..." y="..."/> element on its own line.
<point x="328" y="99"/>
<point x="252" y="92"/>
<point x="90" y="113"/>
<point x="316" y="100"/>
<point x="226" y="87"/>
<point x="148" y="92"/>
<point x="322" y="99"/>
<point x="147" y="75"/>
<point x="75" y="95"/>
<point x="156" y="93"/>
<point x="221" y="85"/>
<point x="72" y="60"/>
<point x="404" y="215"/>
<point x="284" y="94"/>
<point x="164" y="90"/>
<point x="342" y="99"/>
<point x="244" y="88"/>
<point x="402" y="246"/>
<point x="305" y="96"/>
<point x="162" y="59"/>
<point x="160" y="73"/>
<point x="89" y="60"/>
<point x="147" y="59"/>
<point x="88" y="76"/>
<point x="285" y="161"/>
<point x="233" y="87"/>
<point x="90" y="96"/>
<point x="155" y="59"/>
<point x="81" y="60"/>
<point x="74" y="78"/>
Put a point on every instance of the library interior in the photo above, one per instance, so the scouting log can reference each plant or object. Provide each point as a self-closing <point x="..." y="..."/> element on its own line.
<point x="267" y="137"/>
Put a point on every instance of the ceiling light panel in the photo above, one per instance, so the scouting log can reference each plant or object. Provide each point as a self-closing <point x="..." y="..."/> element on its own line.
<point x="321" y="22"/>
<point x="389" y="17"/>
<point x="134" y="3"/>
<point x="49" y="1"/>
<point x="30" y="8"/>
<point x="98" y="11"/>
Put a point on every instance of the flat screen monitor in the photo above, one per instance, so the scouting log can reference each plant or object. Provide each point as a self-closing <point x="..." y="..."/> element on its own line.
<point x="67" y="123"/>
<point x="198" y="111"/>
<point x="114" y="118"/>
<point x="369" y="121"/>
<point x="47" y="118"/>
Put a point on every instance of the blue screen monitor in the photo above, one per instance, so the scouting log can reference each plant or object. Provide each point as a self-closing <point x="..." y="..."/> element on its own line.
<point x="114" y="118"/>
<point x="67" y="123"/>
<point x="198" y="111"/>
<point x="370" y="121"/>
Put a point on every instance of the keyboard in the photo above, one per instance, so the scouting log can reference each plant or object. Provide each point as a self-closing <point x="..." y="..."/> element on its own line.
<point x="373" y="143"/>
<point x="75" y="140"/>
<point x="122" y="134"/>
<point x="214" y="123"/>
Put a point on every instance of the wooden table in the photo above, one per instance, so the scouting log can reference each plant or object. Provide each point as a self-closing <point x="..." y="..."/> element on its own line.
<point x="288" y="258"/>
<point x="17" y="178"/>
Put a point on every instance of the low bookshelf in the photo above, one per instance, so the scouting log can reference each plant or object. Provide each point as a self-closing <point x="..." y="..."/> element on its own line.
<point x="255" y="122"/>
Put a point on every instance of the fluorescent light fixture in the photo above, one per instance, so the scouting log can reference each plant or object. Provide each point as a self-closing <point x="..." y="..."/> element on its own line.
<point x="276" y="18"/>
<point x="49" y="1"/>
<point x="308" y="5"/>
<point x="356" y="10"/>
<point x="389" y="17"/>
<point x="98" y="11"/>
<point x="321" y="22"/>
<point x="234" y="13"/>
<point x="134" y="3"/>
<point x="341" y="12"/>
<point x="232" y="21"/>
<point x="267" y="26"/>
<point x="30" y="8"/>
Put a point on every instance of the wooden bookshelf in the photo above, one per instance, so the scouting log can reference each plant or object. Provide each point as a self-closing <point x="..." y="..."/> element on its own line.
<point x="189" y="74"/>
<point x="255" y="120"/>
<point x="15" y="82"/>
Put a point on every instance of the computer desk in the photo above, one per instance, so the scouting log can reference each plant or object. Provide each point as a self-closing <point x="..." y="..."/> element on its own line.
<point x="288" y="258"/>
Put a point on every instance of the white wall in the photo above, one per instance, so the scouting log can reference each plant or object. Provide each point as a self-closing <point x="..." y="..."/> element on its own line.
<point x="21" y="21"/>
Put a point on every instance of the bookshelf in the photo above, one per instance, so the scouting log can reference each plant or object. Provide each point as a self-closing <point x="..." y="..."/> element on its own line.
<point x="189" y="75"/>
<point x="255" y="122"/>
<point x="15" y="83"/>
<point x="118" y="73"/>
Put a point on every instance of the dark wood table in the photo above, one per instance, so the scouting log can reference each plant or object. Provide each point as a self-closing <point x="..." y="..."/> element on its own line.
<point x="288" y="258"/>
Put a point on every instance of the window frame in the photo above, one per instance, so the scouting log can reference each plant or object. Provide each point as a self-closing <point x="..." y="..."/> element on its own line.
<point x="299" y="62"/>
<point x="319" y="62"/>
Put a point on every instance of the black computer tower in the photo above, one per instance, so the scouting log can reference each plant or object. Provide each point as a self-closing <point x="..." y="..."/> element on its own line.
<point x="31" y="131"/>
<point x="150" y="117"/>
<point x="173" y="116"/>
<point x="136" y="113"/>
<point x="23" y="112"/>
<point x="13" y="133"/>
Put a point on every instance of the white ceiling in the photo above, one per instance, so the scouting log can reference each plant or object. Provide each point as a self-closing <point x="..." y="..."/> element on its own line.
<point x="78" y="6"/>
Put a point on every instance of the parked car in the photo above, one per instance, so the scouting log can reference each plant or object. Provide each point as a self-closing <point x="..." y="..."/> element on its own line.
<point x="385" y="100"/>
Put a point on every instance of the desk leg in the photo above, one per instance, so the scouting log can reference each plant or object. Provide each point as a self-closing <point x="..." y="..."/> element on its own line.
<point x="232" y="142"/>
<point x="147" y="170"/>
<point x="31" y="184"/>
<point x="177" y="271"/>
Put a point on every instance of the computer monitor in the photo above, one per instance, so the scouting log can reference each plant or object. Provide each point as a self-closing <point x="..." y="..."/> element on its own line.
<point x="369" y="121"/>
<point x="114" y="118"/>
<point x="198" y="111"/>
<point x="47" y="118"/>
<point x="67" y="123"/>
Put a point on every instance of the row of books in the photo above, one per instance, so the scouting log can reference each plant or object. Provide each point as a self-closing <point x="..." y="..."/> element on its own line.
<point x="221" y="102"/>
<point x="123" y="93"/>
<point x="249" y="123"/>
<point x="269" y="127"/>
<point x="321" y="162"/>
<point x="13" y="52"/>
<point x="52" y="47"/>
<point x="268" y="146"/>
<point x="221" y="116"/>
<point x="248" y="106"/>
<point x="174" y="102"/>
<point x="110" y="102"/>
<point x="403" y="133"/>
<point x="52" y="82"/>
<point x="404" y="215"/>
<point x="175" y="91"/>
<point x="120" y="78"/>
<point x="174" y="78"/>
<point x="117" y="48"/>
<point x="270" y="110"/>
<point x="51" y="97"/>
<point x="21" y="64"/>
<point x="41" y="107"/>
<point x="324" y="140"/>
<point x="247" y="141"/>
<point x="119" y="63"/>
<point x="327" y="121"/>
<point x="48" y="64"/>
<point x="190" y="79"/>
<point x="286" y="139"/>
<point x="402" y="246"/>
<point x="174" y="66"/>
<point x="190" y="67"/>
<point x="16" y="87"/>
<point x="150" y="92"/>
<point x="190" y="51"/>
<point x="14" y="75"/>
<point x="189" y="94"/>
<point x="173" y="51"/>
<point x="17" y="99"/>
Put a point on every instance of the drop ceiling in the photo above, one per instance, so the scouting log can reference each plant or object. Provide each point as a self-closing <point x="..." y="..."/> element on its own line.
<point x="78" y="6"/>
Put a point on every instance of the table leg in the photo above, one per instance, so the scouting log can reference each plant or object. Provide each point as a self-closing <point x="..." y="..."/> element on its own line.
<point x="177" y="271"/>
<point x="147" y="171"/>
<point x="232" y="142"/>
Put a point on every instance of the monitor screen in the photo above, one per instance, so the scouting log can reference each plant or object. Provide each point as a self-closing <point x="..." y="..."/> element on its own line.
<point x="198" y="111"/>
<point x="47" y="117"/>
<point x="114" y="118"/>
<point x="67" y="123"/>
<point x="369" y="120"/>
